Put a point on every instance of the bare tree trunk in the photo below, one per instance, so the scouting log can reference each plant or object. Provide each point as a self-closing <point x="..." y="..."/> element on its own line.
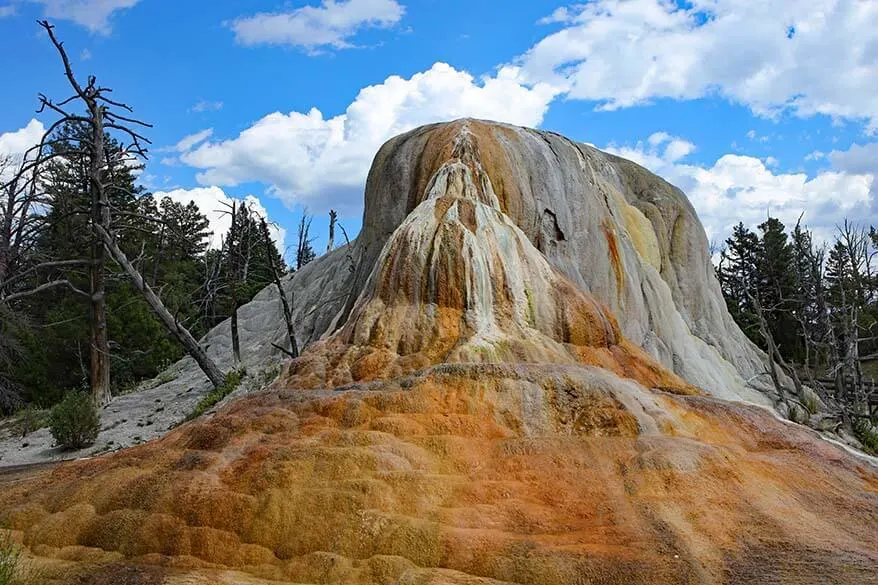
<point x="333" y="217"/>
<point x="304" y="254"/>
<point x="6" y="235"/>
<point x="158" y="255"/>
<point x="288" y="314"/>
<point x="233" y="283"/>
<point x="173" y="326"/>
<point x="245" y="247"/>
<point x="772" y="347"/>
<point x="100" y="218"/>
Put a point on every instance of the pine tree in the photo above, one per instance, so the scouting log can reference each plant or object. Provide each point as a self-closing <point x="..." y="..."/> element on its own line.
<point x="776" y="287"/>
<point x="738" y="276"/>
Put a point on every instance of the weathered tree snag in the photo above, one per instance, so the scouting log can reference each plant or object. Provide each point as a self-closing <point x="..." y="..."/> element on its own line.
<point x="333" y="217"/>
<point x="158" y="307"/>
<point x="100" y="218"/>
<point x="288" y="314"/>
<point x="233" y="284"/>
<point x="304" y="253"/>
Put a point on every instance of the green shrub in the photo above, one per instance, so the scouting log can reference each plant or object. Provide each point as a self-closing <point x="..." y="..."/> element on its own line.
<point x="867" y="434"/>
<point x="30" y="419"/>
<point x="75" y="421"/>
<point x="10" y="555"/>
<point x="233" y="379"/>
<point x="811" y="401"/>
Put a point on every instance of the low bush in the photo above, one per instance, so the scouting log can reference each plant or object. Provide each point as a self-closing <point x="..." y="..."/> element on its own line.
<point x="10" y="555"/>
<point x="75" y="421"/>
<point x="867" y="434"/>
<point x="30" y="419"/>
<point x="233" y="379"/>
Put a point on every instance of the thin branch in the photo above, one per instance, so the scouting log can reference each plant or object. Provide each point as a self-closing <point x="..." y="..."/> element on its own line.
<point x="43" y="266"/>
<point x="43" y="287"/>
<point x="124" y="119"/>
<point x="68" y="71"/>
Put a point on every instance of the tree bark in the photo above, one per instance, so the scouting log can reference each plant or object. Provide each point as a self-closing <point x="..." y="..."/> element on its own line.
<point x="772" y="348"/>
<point x="173" y="326"/>
<point x="288" y="314"/>
<point x="233" y="283"/>
<point x="333" y="217"/>
<point x="100" y="219"/>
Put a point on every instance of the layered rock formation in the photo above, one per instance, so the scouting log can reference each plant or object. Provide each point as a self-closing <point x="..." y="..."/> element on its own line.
<point x="528" y="376"/>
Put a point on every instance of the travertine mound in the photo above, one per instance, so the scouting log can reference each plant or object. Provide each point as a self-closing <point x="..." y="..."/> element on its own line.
<point x="526" y="378"/>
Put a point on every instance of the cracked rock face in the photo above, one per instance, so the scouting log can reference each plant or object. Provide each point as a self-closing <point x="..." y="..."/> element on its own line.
<point x="529" y="377"/>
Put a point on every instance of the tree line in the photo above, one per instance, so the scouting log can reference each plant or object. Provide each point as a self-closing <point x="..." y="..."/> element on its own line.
<point x="813" y="307"/>
<point x="102" y="285"/>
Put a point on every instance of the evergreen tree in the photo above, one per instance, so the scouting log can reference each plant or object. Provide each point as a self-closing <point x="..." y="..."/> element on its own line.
<point x="167" y="242"/>
<point x="776" y="287"/>
<point x="738" y="277"/>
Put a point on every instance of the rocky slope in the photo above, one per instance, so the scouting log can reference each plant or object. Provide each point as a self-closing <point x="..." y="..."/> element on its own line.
<point x="528" y="376"/>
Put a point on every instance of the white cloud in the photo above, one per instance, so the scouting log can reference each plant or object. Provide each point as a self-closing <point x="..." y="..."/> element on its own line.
<point x="8" y="10"/>
<point x="85" y="55"/>
<point x="862" y="159"/>
<point x="213" y="202"/>
<point x="16" y="143"/>
<point x="808" y="57"/>
<point x="322" y="162"/>
<point x="658" y="138"/>
<point x="560" y="14"/>
<point x="859" y="158"/>
<point x="207" y="106"/>
<point x="743" y="188"/>
<point x="187" y="142"/>
<point x="184" y="144"/>
<point x="92" y="14"/>
<point x="677" y="149"/>
<point x="331" y="24"/>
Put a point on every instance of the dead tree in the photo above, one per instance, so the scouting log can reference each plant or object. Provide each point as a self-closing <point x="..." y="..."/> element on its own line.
<point x="237" y="252"/>
<point x="102" y="116"/>
<point x="21" y="223"/>
<point x="285" y="305"/>
<point x="860" y="259"/>
<point x="304" y="252"/>
<point x="232" y="268"/>
<point x="170" y="322"/>
<point x="17" y="222"/>
<point x="333" y="217"/>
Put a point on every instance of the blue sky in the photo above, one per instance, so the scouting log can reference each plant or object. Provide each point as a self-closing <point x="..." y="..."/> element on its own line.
<point x="747" y="106"/>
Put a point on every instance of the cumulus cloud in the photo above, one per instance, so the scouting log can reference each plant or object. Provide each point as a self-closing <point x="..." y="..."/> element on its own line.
<point x="15" y="144"/>
<point x="212" y="202"/>
<point x="807" y="57"/>
<point x="322" y="162"/>
<point x="862" y="159"/>
<point x="560" y="14"/>
<point x="743" y="188"/>
<point x="94" y="15"/>
<point x="859" y="158"/>
<point x="332" y="24"/>
<point x="188" y="141"/>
